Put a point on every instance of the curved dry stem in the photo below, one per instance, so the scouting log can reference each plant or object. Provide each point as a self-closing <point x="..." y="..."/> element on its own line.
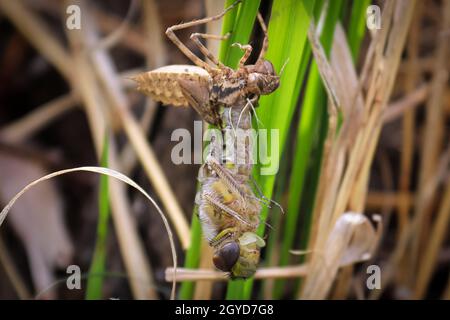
<point x="113" y="174"/>
<point x="14" y="276"/>
<point x="119" y="32"/>
<point x="27" y="125"/>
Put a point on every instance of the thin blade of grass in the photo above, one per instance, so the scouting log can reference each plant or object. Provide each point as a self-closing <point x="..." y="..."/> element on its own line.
<point x="242" y="19"/>
<point x="310" y="123"/>
<point x="272" y="248"/>
<point x="357" y="26"/>
<point x="193" y="253"/>
<point x="229" y="21"/>
<point x="242" y="28"/>
<point x="98" y="265"/>
<point x="117" y="176"/>
<point x="192" y="256"/>
<point x="287" y="38"/>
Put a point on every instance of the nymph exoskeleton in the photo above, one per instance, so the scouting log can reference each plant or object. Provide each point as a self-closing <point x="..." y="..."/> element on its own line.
<point x="228" y="209"/>
<point x="207" y="88"/>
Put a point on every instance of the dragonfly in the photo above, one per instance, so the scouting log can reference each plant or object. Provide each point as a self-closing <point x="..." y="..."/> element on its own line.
<point x="229" y="210"/>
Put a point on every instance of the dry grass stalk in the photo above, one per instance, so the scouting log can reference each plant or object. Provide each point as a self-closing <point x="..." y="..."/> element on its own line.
<point x="26" y="126"/>
<point x="433" y="134"/>
<point x="446" y="294"/>
<point x="184" y="274"/>
<point x="347" y="163"/>
<point x="349" y="97"/>
<point x="376" y="200"/>
<point x="133" y="40"/>
<point x="156" y="55"/>
<point x="95" y="103"/>
<point x="41" y="116"/>
<point x="422" y="200"/>
<point x="14" y="276"/>
<point x="408" y="126"/>
<point x="108" y="24"/>
<point x="108" y="76"/>
<point x="353" y="239"/>
<point x="38" y="34"/>
<point x="120" y="31"/>
<point x="203" y="289"/>
<point x="438" y="233"/>
<point x="117" y="177"/>
<point x="424" y="64"/>
<point x="343" y="283"/>
<point x="405" y="106"/>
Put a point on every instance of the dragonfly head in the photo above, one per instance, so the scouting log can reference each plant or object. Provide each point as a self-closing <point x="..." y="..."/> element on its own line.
<point x="240" y="258"/>
<point x="262" y="78"/>
<point x="226" y="255"/>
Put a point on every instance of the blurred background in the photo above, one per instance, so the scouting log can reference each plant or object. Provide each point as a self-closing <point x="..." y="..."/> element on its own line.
<point x="66" y="100"/>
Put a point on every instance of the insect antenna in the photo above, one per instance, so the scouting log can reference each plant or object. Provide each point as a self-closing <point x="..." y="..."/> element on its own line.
<point x="266" y="38"/>
<point x="264" y="197"/>
<point x="241" y="113"/>
<point x="268" y="225"/>
<point x="254" y="112"/>
<point x="231" y="122"/>
<point x="264" y="202"/>
<point x="284" y="65"/>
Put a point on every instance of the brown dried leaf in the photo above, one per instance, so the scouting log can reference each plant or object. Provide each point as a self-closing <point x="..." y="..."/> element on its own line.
<point x="353" y="239"/>
<point x="344" y="72"/>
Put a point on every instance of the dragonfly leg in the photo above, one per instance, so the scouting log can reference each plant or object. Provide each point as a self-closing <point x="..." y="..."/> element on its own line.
<point x="222" y="235"/>
<point x="265" y="44"/>
<point x="170" y="32"/>
<point x="264" y="199"/>
<point x="208" y="54"/>
<point x="248" y="51"/>
<point x="225" y="175"/>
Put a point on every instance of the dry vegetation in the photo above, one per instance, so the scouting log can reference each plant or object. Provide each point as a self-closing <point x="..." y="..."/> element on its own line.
<point x="381" y="194"/>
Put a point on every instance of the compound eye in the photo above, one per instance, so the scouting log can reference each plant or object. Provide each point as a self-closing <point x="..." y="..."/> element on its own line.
<point x="227" y="256"/>
<point x="269" y="69"/>
<point x="265" y="67"/>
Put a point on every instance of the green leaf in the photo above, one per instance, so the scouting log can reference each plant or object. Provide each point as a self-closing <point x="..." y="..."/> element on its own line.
<point x="192" y="256"/>
<point x="287" y="38"/>
<point x="98" y="265"/>
<point x="240" y="28"/>
<point x="357" y="26"/>
<point x="310" y="122"/>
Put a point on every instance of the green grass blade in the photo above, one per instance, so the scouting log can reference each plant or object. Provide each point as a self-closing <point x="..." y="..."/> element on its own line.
<point x="287" y="35"/>
<point x="243" y="26"/>
<point x="228" y="26"/>
<point x="97" y="268"/>
<point x="308" y="128"/>
<point x="240" y="29"/>
<point x="276" y="220"/>
<point x="357" y="26"/>
<point x="240" y="33"/>
<point x="192" y="259"/>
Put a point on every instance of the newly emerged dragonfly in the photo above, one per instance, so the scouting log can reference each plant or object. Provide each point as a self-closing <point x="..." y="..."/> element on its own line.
<point x="229" y="211"/>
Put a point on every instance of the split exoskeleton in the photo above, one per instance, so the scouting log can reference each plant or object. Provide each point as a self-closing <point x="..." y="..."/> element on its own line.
<point x="229" y="211"/>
